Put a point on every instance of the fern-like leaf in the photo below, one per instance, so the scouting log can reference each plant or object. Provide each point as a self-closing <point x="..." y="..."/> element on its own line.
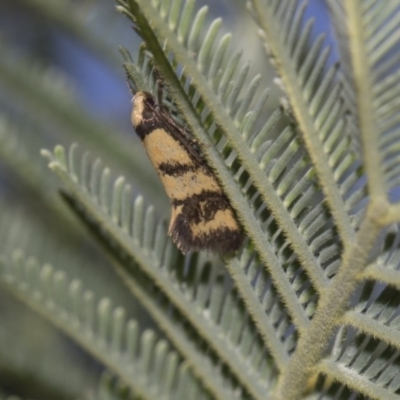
<point x="135" y="357"/>
<point x="309" y="307"/>
<point x="314" y="98"/>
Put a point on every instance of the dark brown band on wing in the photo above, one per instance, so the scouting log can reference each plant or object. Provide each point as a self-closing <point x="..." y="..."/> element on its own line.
<point x="176" y="169"/>
<point x="147" y="126"/>
<point x="203" y="206"/>
<point x="205" y="195"/>
<point x="222" y="240"/>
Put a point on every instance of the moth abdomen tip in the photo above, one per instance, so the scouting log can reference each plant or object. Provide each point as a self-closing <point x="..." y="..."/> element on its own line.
<point x="223" y="241"/>
<point x="205" y="223"/>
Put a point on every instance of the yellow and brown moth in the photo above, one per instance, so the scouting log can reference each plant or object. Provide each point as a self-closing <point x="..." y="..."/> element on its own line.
<point x="202" y="217"/>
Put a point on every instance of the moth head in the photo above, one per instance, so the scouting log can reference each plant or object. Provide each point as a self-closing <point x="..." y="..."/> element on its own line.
<point x="144" y="107"/>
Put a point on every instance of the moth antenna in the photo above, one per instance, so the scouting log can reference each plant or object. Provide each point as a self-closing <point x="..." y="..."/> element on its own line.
<point x="129" y="81"/>
<point x="160" y="85"/>
<point x="159" y="93"/>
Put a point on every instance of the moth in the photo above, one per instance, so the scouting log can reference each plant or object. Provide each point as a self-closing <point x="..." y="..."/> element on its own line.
<point x="201" y="216"/>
